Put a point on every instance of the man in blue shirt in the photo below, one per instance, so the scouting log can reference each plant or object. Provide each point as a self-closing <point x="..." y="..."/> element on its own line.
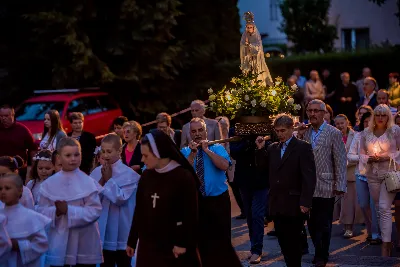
<point x="211" y="163"/>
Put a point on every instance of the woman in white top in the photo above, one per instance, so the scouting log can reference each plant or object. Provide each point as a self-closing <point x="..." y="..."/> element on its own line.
<point x="350" y="212"/>
<point x="53" y="130"/>
<point x="379" y="144"/>
<point x="365" y="200"/>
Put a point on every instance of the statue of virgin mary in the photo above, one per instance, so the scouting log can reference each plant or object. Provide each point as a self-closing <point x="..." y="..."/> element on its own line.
<point x="251" y="51"/>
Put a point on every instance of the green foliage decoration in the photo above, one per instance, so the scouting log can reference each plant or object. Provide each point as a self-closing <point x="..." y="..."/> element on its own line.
<point x="247" y="96"/>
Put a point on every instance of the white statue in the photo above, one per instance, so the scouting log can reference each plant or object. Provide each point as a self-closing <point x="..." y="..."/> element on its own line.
<point x="251" y="51"/>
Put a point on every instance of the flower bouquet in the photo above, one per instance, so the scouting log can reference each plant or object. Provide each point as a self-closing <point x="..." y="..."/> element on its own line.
<point x="253" y="104"/>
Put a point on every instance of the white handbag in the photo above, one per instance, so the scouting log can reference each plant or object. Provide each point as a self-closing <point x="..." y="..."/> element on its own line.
<point x="392" y="178"/>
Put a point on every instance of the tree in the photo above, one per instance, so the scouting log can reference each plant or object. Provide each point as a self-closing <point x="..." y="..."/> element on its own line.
<point x="381" y="2"/>
<point x="306" y="25"/>
<point x="152" y="55"/>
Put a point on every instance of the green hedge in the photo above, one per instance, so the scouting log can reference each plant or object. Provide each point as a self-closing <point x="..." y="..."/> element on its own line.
<point x="381" y="62"/>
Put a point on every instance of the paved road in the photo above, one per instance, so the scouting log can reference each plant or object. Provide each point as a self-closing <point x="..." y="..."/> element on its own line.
<point x="354" y="252"/>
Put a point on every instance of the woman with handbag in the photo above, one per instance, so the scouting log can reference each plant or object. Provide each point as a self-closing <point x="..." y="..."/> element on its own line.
<point x="379" y="147"/>
<point x="350" y="212"/>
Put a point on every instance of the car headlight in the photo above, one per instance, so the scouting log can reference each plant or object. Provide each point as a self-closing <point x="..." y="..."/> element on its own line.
<point x="37" y="136"/>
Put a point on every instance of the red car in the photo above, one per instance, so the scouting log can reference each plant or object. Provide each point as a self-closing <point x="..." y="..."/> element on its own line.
<point x="97" y="107"/>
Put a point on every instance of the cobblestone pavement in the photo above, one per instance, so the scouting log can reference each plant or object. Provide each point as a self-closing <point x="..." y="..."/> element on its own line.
<point x="354" y="252"/>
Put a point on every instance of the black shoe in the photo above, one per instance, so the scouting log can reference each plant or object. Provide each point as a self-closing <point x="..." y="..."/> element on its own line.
<point x="271" y="233"/>
<point x="240" y="217"/>
<point x="314" y="261"/>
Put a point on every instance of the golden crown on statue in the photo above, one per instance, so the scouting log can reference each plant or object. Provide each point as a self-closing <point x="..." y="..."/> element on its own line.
<point x="248" y="17"/>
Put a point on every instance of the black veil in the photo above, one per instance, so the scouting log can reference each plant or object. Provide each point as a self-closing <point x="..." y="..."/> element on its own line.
<point x="168" y="149"/>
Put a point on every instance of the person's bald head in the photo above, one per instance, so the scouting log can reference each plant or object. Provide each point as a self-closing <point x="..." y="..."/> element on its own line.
<point x="383" y="97"/>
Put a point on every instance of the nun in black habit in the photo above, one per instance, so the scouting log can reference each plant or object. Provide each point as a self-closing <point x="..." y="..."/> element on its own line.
<point x="166" y="213"/>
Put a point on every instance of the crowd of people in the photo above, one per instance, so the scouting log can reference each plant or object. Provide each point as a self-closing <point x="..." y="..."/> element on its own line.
<point x="163" y="196"/>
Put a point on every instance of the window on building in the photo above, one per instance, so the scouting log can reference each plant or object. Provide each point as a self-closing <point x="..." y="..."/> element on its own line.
<point x="355" y="39"/>
<point x="274" y="9"/>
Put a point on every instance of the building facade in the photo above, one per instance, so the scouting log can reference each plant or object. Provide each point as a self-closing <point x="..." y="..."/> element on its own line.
<point x="360" y="23"/>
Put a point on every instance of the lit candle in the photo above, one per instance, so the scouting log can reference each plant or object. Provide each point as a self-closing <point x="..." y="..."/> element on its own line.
<point x="376" y="149"/>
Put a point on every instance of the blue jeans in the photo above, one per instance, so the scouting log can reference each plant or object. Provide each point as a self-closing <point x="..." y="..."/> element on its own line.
<point x="367" y="206"/>
<point x="254" y="209"/>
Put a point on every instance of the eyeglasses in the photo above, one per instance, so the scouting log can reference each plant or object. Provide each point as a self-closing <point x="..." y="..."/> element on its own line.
<point x="314" y="110"/>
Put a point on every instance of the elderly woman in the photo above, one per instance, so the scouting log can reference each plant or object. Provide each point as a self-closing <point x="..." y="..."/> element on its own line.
<point x="350" y="212"/>
<point x="131" y="154"/>
<point x="379" y="145"/>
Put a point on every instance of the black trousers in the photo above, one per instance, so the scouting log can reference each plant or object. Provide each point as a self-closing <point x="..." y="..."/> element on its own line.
<point x="119" y="258"/>
<point x="215" y="245"/>
<point x="320" y="226"/>
<point x="289" y="233"/>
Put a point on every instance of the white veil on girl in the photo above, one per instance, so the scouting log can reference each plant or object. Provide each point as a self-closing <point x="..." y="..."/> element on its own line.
<point x="251" y="51"/>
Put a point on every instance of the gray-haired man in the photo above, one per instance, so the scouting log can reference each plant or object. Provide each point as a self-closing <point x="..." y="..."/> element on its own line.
<point x="331" y="165"/>
<point x="197" y="108"/>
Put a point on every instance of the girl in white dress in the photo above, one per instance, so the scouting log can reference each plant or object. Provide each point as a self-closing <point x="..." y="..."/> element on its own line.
<point x="42" y="169"/>
<point x="25" y="227"/>
<point x="12" y="165"/>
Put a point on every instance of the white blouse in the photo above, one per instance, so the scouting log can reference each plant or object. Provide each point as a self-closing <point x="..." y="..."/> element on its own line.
<point x="44" y="144"/>
<point x="386" y="145"/>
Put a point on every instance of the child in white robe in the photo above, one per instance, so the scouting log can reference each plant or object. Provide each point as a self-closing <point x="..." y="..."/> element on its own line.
<point x="42" y="169"/>
<point x="25" y="227"/>
<point x="5" y="241"/>
<point x="12" y="165"/>
<point x="118" y="199"/>
<point x="71" y="199"/>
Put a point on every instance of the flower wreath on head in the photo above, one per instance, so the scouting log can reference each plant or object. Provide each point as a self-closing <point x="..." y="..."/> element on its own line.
<point x="35" y="158"/>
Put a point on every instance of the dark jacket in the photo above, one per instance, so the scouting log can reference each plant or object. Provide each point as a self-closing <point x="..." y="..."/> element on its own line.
<point x="136" y="157"/>
<point x="373" y="102"/>
<point x="88" y="145"/>
<point x="246" y="175"/>
<point x="292" y="178"/>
